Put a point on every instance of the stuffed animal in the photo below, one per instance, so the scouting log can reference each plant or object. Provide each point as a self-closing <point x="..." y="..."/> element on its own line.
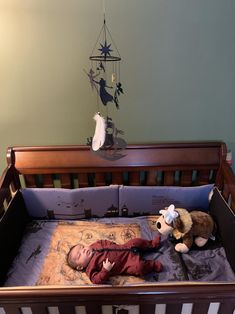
<point x="192" y="226"/>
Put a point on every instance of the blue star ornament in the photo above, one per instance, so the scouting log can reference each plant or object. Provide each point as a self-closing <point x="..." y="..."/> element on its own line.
<point x="105" y="49"/>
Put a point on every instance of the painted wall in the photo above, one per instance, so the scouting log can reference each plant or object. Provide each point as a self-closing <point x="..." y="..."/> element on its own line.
<point x="178" y="70"/>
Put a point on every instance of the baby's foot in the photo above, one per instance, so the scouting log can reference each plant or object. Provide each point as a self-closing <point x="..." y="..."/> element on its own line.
<point x="158" y="266"/>
<point x="156" y="241"/>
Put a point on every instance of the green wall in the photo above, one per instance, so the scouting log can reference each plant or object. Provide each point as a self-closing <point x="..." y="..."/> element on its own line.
<point x="178" y="70"/>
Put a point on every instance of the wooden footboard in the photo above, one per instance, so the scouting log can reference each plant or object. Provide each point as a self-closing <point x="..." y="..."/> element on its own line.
<point x="179" y="164"/>
<point x="179" y="298"/>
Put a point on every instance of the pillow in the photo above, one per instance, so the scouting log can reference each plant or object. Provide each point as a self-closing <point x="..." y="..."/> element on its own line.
<point x="149" y="200"/>
<point x="58" y="203"/>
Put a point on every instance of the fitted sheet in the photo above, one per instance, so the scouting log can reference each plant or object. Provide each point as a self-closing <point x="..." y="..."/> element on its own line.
<point x="42" y="255"/>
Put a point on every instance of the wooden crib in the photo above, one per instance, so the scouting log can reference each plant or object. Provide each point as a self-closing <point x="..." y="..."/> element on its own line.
<point x="170" y="164"/>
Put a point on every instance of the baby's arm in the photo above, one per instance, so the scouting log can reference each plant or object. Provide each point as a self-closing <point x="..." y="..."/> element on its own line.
<point x="103" y="275"/>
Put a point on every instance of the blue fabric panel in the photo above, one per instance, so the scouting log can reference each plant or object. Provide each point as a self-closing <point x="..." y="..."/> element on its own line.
<point x="149" y="200"/>
<point x="57" y="203"/>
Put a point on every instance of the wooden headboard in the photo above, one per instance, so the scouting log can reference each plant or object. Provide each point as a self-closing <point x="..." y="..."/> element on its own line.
<point x="185" y="164"/>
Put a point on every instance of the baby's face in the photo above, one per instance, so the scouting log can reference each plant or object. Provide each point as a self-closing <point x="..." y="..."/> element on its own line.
<point x="81" y="256"/>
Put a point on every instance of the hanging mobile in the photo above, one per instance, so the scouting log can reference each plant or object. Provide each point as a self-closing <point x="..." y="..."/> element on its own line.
<point x="104" y="78"/>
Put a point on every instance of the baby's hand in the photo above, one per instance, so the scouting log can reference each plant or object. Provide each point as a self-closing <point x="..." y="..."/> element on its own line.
<point x="108" y="265"/>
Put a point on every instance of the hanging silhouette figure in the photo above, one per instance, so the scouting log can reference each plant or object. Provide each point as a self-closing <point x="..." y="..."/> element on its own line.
<point x="91" y="74"/>
<point x="104" y="95"/>
<point x="117" y="93"/>
<point x="112" y="140"/>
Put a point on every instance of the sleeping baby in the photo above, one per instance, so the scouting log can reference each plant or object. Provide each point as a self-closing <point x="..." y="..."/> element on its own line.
<point x="104" y="258"/>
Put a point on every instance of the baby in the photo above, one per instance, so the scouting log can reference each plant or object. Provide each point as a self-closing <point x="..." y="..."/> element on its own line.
<point x="104" y="258"/>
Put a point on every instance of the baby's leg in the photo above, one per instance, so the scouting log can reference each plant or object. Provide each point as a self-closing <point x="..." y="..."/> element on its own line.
<point x="147" y="266"/>
<point x="143" y="243"/>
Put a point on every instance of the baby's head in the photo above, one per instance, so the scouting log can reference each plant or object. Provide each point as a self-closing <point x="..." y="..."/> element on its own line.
<point x="79" y="256"/>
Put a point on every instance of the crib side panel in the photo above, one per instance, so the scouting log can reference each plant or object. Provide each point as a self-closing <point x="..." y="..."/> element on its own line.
<point x="186" y="300"/>
<point x="12" y="226"/>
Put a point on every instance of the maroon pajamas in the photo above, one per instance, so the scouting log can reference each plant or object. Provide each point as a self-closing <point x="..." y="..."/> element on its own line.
<point x="126" y="262"/>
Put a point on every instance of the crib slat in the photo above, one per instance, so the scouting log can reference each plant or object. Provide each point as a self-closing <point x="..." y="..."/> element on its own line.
<point x="186" y="178"/>
<point x="200" y="308"/>
<point x="39" y="309"/>
<point x="12" y="309"/>
<point x="147" y="308"/>
<point x="117" y="178"/>
<point x="65" y="181"/>
<point x="134" y="178"/>
<point x="169" y="177"/>
<point x="151" y="177"/>
<point x="174" y="308"/>
<point x="100" y="179"/>
<point x="65" y="309"/>
<point x="30" y="181"/>
<point x="93" y="309"/>
<point x="47" y="181"/>
<point x="227" y="308"/>
<point x="82" y="180"/>
<point x="203" y="177"/>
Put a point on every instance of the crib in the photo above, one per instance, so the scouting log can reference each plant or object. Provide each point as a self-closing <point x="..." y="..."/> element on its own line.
<point x="163" y="164"/>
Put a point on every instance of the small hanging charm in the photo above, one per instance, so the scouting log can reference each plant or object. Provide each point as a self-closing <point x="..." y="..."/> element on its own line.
<point x="113" y="77"/>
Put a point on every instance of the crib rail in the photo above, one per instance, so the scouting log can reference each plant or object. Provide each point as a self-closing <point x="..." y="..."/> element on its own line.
<point x="182" y="164"/>
<point x="185" y="308"/>
<point x="175" y="299"/>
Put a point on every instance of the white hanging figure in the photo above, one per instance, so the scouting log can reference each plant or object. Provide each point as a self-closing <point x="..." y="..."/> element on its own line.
<point x="100" y="132"/>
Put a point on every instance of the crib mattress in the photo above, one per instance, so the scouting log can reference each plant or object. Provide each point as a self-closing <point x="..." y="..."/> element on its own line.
<point x="41" y="259"/>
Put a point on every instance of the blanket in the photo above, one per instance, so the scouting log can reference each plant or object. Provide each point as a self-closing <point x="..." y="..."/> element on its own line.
<point x="55" y="269"/>
<point x="41" y="259"/>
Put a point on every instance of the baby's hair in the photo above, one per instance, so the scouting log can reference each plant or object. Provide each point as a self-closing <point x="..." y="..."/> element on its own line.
<point x="69" y="260"/>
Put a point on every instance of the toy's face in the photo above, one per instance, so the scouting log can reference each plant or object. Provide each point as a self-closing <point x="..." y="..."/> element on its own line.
<point x="163" y="227"/>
